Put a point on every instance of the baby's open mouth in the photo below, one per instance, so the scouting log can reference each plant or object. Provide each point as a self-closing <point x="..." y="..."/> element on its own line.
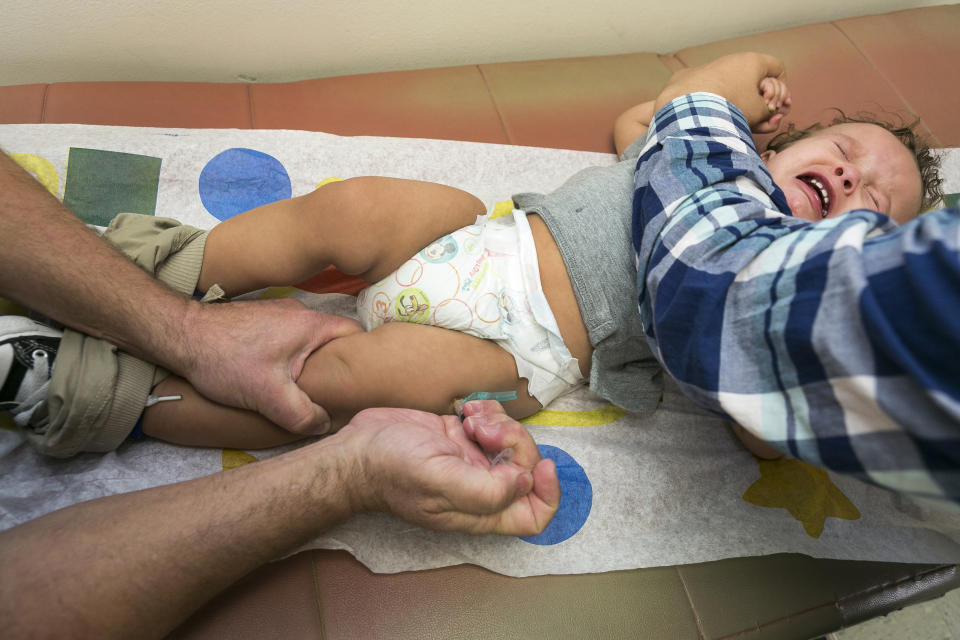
<point x="820" y="189"/>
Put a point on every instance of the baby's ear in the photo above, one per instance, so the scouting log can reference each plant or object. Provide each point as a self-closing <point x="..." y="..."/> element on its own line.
<point x="767" y="155"/>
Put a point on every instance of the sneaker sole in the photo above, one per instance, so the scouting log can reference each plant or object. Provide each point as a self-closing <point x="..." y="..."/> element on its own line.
<point x="13" y="327"/>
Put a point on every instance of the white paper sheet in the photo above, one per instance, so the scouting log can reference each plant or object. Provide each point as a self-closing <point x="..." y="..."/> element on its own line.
<point x="670" y="489"/>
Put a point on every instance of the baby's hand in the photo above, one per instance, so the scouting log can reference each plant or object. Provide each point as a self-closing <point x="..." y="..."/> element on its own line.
<point x="777" y="96"/>
<point x="775" y="93"/>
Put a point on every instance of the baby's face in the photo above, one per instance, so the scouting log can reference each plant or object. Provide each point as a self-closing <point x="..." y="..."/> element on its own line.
<point x="846" y="167"/>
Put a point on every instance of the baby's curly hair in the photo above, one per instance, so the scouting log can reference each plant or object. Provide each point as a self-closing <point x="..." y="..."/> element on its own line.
<point x="927" y="161"/>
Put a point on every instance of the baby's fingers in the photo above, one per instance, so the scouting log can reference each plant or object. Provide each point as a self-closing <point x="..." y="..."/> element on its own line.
<point x="767" y="89"/>
<point x="774" y="92"/>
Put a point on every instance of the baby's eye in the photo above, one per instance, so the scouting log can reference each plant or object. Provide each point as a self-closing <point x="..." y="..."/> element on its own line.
<point x="840" y="149"/>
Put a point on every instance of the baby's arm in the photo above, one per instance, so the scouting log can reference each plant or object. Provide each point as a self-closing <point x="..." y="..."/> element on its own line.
<point x="635" y="121"/>
<point x="740" y="79"/>
<point x="631" y="125"/>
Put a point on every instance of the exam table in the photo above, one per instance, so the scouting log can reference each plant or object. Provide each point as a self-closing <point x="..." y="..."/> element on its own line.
<point x="900" y="61"/>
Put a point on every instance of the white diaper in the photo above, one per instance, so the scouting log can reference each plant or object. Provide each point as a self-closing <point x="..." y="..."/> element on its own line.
<point x="483" y="280"/>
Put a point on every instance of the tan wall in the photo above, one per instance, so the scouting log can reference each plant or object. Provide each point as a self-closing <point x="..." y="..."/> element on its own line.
<point x="220" y="40"/>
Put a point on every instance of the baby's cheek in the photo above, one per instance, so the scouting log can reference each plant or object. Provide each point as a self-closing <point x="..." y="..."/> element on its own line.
<point x="799" y="206"/>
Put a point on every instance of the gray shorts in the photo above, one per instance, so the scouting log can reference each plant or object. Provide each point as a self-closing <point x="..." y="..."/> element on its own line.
<point x="97" y="392"/>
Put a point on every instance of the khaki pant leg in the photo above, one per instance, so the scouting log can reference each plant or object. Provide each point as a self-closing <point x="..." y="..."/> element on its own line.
<point x="97" y="392"/>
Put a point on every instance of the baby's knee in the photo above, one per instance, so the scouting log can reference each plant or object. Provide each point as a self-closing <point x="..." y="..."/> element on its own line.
<point x="346" y="196"/>
<point x="327" y="200"/>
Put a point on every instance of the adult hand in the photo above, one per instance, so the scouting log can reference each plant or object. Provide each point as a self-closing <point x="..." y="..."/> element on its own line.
<point x="244" y="354"/>
<point x="109" y="558"/>
<point x="250" y="354"/>
<point x="432" y="470"/>
<point x="736" y="77"/>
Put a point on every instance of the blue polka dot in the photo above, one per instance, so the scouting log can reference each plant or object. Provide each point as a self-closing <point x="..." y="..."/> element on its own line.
<point x="576" y="498"/>
<point x="237" y="180"/>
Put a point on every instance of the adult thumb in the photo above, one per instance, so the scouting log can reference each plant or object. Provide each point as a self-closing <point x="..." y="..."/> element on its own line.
<point x="293" y="410"/>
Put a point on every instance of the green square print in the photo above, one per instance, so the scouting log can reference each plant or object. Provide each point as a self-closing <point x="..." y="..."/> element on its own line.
<point x="101" y="184"/>
<point x="951" y="199"/>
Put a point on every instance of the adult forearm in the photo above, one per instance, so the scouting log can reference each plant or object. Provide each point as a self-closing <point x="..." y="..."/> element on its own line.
<point x="136" y="565"/>
<point x="52" y="263"/>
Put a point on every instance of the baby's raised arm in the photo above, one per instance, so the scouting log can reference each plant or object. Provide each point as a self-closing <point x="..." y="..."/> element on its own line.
<point x="737" y="78"/>
<point x="722" y="76"/>
<point x="632" y="124"/>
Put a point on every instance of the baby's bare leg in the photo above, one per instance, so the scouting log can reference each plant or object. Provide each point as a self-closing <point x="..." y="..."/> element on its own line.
<point x="199" y="422"/>
<point x="413" y="366"/>
<point x="363" y="226"/>
<point x="396" y="365"/>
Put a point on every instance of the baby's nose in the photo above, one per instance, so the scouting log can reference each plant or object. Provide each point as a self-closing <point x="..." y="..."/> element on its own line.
<point x="849" y="177"/>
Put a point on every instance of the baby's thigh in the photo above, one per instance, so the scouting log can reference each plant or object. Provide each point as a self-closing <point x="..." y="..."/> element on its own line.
<point x="410" y="365"/>
<point x="373" y="224"/>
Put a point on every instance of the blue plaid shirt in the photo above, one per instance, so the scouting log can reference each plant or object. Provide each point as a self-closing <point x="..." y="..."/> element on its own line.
<point x="837" y="342"/>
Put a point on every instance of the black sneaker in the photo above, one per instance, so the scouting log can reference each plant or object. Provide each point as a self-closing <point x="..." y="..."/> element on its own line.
<point x="27" y="352"/>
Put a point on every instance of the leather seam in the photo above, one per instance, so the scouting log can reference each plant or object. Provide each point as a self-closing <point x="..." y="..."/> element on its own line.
<point x="905" y="104"/>
<point x="253" y="124"/>
<point x="496" y="107"/>
<point x="43" y="103"/>
<point x="317" y="597"/>
<point x="696" y="617"/>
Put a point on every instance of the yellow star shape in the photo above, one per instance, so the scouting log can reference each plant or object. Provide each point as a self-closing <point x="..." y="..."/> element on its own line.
<point x="589" y="418"/>
<point x="233" y="458"/>
<point x="806" y="492"/>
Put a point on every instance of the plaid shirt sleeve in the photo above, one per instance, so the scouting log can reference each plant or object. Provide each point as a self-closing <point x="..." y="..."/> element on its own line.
<point x="837" y="342"/>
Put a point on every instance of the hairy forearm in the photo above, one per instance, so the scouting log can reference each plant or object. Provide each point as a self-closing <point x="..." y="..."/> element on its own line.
<point x="52" y="263"/>
<point x="136" y="565"/>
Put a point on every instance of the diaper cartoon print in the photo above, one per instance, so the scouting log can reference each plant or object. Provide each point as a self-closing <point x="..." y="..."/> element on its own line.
<point x="432" y="287"/>
<point x="442" y="250"/>
<point x="476" y="280"/>
<point x="412" y="305"/>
